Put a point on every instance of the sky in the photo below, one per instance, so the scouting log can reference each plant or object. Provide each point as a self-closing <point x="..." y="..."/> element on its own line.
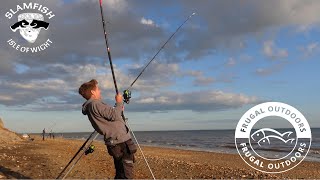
<point x="229" y="57"/>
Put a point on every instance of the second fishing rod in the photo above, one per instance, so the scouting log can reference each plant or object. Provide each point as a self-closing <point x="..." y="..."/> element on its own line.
<point x="127" y="92"/>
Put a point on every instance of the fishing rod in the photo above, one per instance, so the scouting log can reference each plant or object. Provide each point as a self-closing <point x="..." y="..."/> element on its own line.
<point x="109" y="53"/>
<point x="80" y="149"/>
<point x="116" y="88"/>
<point x="115" y="84"/>
<point x="90" y="148"/>
<point x="108" y="48"/>
<point x="127" y="92"/>
<point x="127" y="96"/>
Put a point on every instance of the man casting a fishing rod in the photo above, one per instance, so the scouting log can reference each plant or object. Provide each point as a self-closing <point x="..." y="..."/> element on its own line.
<point x="107" y="121"/>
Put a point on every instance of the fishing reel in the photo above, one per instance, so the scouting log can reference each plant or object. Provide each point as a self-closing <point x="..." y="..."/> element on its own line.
<point x="89" y="150"/>
<point x="126" y="96"/>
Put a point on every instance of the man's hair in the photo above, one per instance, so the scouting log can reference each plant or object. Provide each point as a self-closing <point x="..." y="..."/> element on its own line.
<point x="85" y="88"/>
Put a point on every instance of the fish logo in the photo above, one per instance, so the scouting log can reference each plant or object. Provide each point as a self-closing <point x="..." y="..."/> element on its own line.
<point x="264" y="135"/>
<point x="265" y="147"/>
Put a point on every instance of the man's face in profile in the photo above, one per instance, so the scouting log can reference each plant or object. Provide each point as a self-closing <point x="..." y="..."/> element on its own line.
<point x="96" y="93"/>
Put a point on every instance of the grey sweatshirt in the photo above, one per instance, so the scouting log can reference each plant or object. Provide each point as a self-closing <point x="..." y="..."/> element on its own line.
<point x="107" y="120"/>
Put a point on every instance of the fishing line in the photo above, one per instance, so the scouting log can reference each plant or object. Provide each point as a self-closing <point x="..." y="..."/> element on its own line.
<point x="127" y="92"/>
<point x="159" y="51"/>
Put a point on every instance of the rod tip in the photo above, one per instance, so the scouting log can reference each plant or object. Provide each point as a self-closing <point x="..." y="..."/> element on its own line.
<point x="193" y="14"/>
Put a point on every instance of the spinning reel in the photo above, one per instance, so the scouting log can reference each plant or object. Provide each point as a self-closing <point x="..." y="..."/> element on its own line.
<point x="89" y="150"/>
<point x="126" y="96"/>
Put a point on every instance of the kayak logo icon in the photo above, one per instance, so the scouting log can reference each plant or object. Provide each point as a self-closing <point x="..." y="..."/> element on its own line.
<point x="31" y="20"/>
<point x="266" y="148"/>
<point x="30" y="25"/>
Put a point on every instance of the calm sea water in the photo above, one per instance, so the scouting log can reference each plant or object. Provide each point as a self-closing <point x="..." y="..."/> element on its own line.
<point x="204" y="140"/>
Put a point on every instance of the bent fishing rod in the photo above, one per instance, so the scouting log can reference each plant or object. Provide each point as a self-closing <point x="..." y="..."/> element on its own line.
<point x="127" y="92"/>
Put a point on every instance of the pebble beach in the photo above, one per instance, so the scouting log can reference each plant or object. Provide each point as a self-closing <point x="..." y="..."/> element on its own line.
<point x="45" y="159"/>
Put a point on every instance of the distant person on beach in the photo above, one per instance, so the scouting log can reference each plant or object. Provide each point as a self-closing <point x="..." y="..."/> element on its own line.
<point x="107" y="121"/>
<point x="43" y="133"/>
<point x="50" y="134"/>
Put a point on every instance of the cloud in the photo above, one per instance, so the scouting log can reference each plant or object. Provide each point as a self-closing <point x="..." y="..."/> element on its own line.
<point x="231" y="62"/>
<point x="88" y="41"/>
<point x="6" y="63"/>
<point x="270" y="70"/>
<point x="56" y="85"/>
<point x="227" y="78"/>
<point x="156" y="76"/>
<point x="245" y="58"/>
<point x="61" y="95"/>
<point x="272" y="52"/>
<point x="199" y="78"/>
<point x="193" y="73"/>
<point x="195" y="101"/>
<point x="214" y="28"/>
<point x="310" y="49"/>
<point x="147" y="22"/>
<point x="49" y="80"/>
<point x="228" y="23"/>
<point x="37" y="91"/>
<point x="203" y="81"/>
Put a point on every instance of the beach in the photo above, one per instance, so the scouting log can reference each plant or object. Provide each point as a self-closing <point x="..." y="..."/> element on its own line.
<point x="45" y="159"/>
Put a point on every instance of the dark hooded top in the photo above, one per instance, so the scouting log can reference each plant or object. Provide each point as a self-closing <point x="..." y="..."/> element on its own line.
<point x="107" y="121"/>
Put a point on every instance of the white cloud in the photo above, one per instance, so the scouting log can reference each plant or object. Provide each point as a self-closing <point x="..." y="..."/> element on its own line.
<point x="311" y="49"/>
<point x="67" y="60"/>
<point x="203" y="81"/>
<point x="231" y="62"/>
<point x="199" y="78"/>
<point x="271" y="51"/>
<point x="226" y="78"/>
<point x="195" y="101"/>
<point x="193" y="73"/>
<point x="148" y="22"/>
<point x="270" y="70"/>
<point x="6" y="98"/>
<point x="62" y="81"/>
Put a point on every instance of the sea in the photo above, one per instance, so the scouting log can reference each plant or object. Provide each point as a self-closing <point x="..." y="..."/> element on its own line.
<point x="221" y="141"/>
